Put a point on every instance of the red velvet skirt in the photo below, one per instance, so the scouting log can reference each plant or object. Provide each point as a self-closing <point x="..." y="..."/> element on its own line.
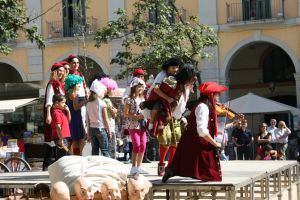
<point x="196" y="158"/>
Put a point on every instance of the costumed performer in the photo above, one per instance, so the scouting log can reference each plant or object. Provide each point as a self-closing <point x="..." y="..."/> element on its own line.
<point x="178" y="87"/>
<point x="196" y="155"/>
<point x="54" y="86"/>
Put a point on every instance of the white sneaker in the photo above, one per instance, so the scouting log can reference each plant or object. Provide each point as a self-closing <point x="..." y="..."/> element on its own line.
<point x="134" y="170"/>
<point x="143" y="171"/>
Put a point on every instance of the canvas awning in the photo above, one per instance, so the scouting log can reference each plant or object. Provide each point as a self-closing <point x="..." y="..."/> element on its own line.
<point x="7" y="106"/>
<point x="251" y="103"/>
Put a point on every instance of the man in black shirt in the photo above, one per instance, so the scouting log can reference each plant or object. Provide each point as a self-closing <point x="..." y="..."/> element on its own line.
<point x="243" y="140"/>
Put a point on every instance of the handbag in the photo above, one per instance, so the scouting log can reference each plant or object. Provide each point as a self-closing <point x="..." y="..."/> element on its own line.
<point x="170" y="134"/>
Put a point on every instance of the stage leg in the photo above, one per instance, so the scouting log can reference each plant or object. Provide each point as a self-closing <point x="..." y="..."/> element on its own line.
<point x="230" y="195"/>
<point x="279" y="186"/>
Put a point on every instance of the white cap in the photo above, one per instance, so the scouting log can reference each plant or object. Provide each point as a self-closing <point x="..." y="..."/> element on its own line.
<point x="137" y="81"/>
<point x="98" y="88"/>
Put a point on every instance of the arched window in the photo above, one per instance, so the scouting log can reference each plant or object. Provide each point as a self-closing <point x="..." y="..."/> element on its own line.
<point x="278" y="66"/>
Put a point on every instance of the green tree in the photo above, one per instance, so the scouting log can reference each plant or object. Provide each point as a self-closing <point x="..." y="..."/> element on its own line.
<point x="159" y="29"/>
<point x="13" y="21"/>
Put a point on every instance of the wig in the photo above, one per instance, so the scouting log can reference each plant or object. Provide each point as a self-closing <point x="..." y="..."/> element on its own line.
<point x="175" y="61"/>
<point x="72" y="80"/>
<point x="109" y="83"/>
<point x="186" y="73"/>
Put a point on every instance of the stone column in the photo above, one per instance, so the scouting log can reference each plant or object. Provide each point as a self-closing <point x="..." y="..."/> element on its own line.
<point x="297" y="80"/>
<point x="35" y="61"/>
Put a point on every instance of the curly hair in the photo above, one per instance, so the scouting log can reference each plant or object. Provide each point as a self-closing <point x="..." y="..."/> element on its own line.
<point x="72" y="80"/>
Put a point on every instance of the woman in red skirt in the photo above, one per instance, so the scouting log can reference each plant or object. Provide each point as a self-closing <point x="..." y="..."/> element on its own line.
<point x="196" y="155"/>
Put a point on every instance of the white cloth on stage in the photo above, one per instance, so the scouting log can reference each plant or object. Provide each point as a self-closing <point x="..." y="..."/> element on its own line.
<point x="94" y="168"/>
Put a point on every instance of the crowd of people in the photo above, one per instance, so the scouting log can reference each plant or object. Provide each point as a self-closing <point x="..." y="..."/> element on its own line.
<point x="155" y="120"/>
<point x="271" y="142"/>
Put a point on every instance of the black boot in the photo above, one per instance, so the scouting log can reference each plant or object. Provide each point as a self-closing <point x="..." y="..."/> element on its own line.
<point x="168" y="174"/>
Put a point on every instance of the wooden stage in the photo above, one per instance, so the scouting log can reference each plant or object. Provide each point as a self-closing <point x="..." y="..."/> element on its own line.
<point x="241" y="180"/>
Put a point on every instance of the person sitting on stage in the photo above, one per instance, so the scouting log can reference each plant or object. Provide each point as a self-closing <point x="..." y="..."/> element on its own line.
<point x="196" y="154"/>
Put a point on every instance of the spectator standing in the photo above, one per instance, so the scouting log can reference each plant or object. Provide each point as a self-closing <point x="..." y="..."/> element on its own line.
<point x="234" y="132"/>
<point x="281" y="135"/>
<point x="72" y="86"/>
<point x="271" y="130"/>
<point x="136" y="130"/>
<point x="243" y="141"/>
<point x="99" y="130"/>
<point x="73" y="59"/>
<point x="263" y="139"/>
<point x="112" y="112"/>
<point x="60" y="124"/>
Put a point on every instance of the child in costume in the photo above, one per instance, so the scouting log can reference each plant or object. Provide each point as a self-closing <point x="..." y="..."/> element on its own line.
<point x="178" y="87"/>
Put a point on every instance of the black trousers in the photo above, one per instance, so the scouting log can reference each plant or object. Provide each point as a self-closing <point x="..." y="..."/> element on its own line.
<point x="49" y="154"/>
<point x="244" y="152"/>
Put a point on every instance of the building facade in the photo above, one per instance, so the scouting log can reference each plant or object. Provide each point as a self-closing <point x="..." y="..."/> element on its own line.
<point x="259" y="47"/>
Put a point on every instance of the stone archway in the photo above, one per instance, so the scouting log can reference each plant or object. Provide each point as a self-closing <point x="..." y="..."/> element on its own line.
<point x="11" y="72"/>
<point x="258" y="39"/>
<point x="233" y="51"/>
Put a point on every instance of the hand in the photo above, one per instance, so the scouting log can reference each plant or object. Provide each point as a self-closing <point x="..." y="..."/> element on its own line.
<point x="66" y="108"/>
<point x="140" y="116"/>
<point x="109" y="136"/>
<point x="60" y="142"/>
<point x="218" y="145"/>
<point x="88" y="139"/>
<point x="48" y="119"/>
<point x="170" y="99"/>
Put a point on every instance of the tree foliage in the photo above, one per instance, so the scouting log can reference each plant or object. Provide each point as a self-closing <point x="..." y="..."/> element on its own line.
<point x="166" y="34"/>
<point x="13" y="20"/>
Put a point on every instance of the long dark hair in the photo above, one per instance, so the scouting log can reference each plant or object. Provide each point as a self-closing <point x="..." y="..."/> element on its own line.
<point x="132" y="92"/>
<point x="207" y="100"/>
<point x="185" y="74"/>
<point x="93" y="96"/>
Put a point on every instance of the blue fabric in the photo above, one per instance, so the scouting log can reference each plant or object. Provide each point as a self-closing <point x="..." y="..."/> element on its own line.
<point x="99" y="140"/>
<point x="76" y="127"/>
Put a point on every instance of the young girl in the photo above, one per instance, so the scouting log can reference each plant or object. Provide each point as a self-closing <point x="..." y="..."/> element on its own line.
<point x="99" y="130"/>
<point x="136" y="132"/>
<point x="61" y="118"/>
<point x="112" y="112"/>
<point x="72" y="86"/>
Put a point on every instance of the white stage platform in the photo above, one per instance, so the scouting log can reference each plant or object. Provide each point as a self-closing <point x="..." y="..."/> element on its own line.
<point x="241" y="180"/>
